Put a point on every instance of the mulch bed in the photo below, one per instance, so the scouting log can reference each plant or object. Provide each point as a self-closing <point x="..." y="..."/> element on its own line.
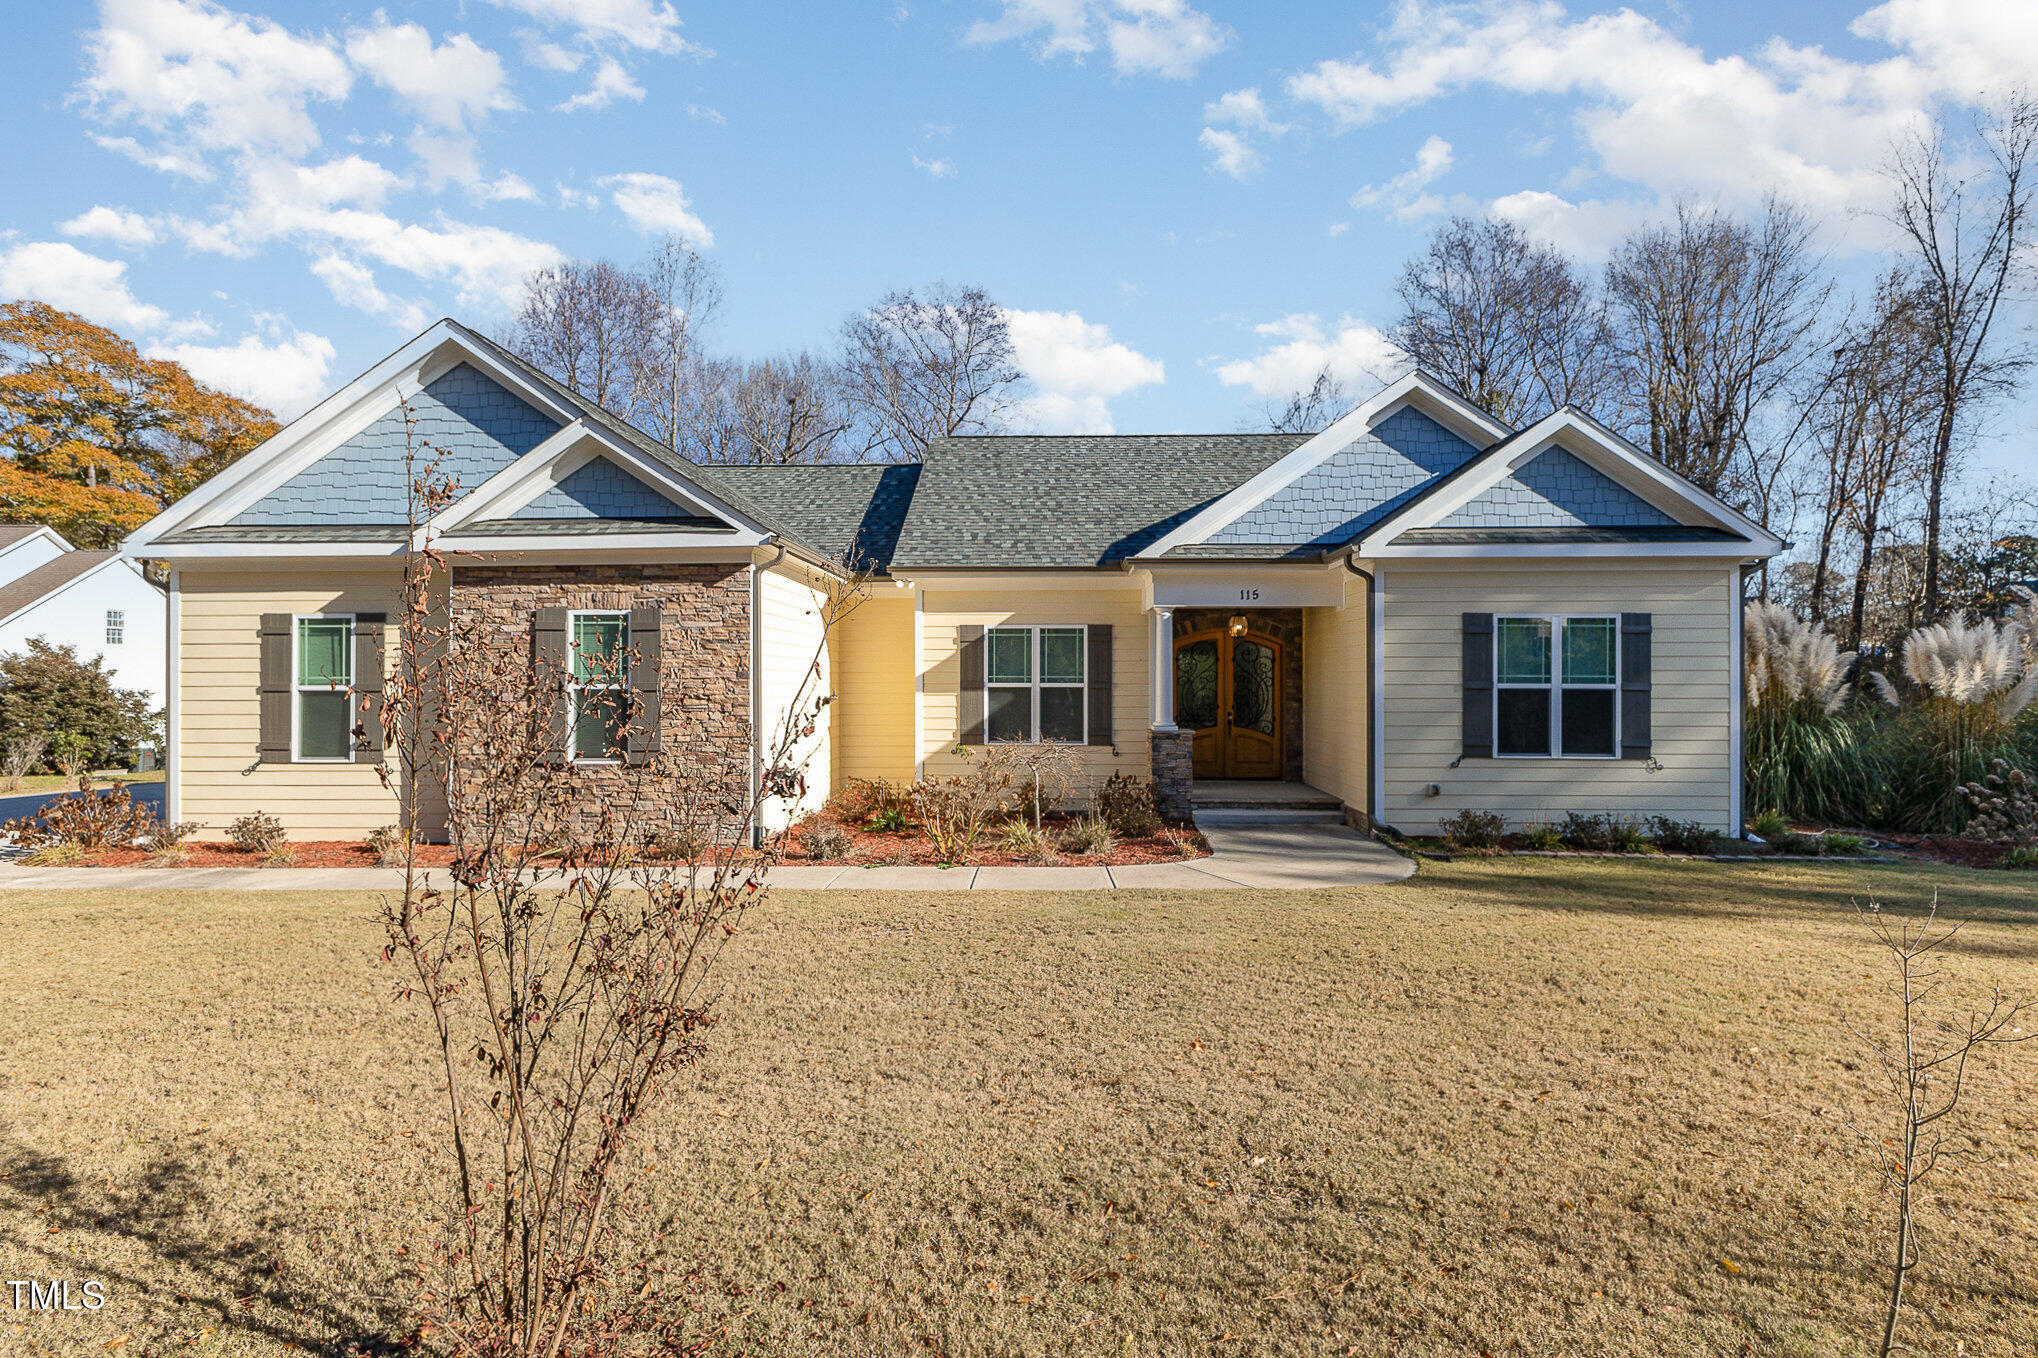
<point x="311" y="853"/>
<point x="911" y="848"/>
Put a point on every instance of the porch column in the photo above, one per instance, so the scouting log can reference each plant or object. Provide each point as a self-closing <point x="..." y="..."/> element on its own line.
<point x="1161" y="672"/>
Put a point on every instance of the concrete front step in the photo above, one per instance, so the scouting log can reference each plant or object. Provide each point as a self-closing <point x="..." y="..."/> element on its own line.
<point x="1310" y="802"/>
<point x="1263" y="814"/>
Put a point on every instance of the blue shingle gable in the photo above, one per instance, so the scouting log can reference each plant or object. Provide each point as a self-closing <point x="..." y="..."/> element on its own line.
<point x="1355" y="486"/>
<point x="1555" y="489"/>
<point x="473" y="425"/>
<point x="599" y="489"/>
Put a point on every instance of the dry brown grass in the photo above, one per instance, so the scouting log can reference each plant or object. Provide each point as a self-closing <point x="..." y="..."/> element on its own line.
<point x="1524" y="1106"/>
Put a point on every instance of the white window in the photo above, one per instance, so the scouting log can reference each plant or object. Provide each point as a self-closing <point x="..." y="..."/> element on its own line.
<point x="1556" y="690"/>
<point x="116" y="626"/>
<point x="597" y="711"/>
<point x="322" y="716"/>
<point x="1033" y="685"/>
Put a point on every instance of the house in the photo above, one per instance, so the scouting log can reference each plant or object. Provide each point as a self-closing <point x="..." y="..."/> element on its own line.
<point x="98" y="603"/>
<point x="1418" y="610"/>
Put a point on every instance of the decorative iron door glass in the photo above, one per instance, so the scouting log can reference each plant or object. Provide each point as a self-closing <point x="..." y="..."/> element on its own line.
<point x="1228" y="692"/>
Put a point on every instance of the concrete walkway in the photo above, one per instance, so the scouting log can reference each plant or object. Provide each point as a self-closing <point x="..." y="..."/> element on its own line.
<point x="1284" y="856"/>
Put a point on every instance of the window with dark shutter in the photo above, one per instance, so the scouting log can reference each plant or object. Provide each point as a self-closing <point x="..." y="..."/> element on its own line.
<point x="971" y="699"/>
<point x="277" y="687"/>
<point x="646" y="682"/>
<point x="548" y="655"/>
<point x="1100" y="683"/>
<point x="368" y="647"/>
<point x="1636" y="661"/>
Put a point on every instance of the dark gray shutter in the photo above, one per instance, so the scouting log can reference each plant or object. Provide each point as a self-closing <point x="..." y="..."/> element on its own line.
<point x="368" y="634"/>
<point x="972" y="695"/>
<point x="1635" y="663"/>
<point x="1476" y="686"/>
<point x="548" y="656"/>
<point x="647" y="709"/>
<point x="273" y="741"/>
<point x="1099" y="677"/>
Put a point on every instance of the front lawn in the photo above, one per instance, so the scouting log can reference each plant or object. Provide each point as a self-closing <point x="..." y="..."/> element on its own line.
<point x="1520" y="1106"/>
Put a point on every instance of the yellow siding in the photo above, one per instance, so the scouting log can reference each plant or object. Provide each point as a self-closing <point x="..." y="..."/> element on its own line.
<point x="873" y="709"/>
<point x="1690" y="710"/>
<point x="791" y="626"/>
<point x="219" y="707"/>
<point x="946" y="612"/>
<point x="1334" y="661"/>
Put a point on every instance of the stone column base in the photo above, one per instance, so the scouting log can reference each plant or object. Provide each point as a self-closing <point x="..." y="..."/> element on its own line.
<point x="1174" y="772"/>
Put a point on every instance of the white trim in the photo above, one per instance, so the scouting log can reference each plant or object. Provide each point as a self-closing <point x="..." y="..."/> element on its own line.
<point x="919" y="683"/>
<point x="42" y="530"/>
<point x="298" y="689"/>
<point x="1555" y="684"/>
<point x="1437" y="400"/>
<point x="173" y="706"/>
<point x="1036" y="681"/>
<point x="1624" y="550"/>
<point x="1376" y="736"/>
<point x="1604" y="452"/>
<point x="558" y="457"/>
<point x="1160" y="655"/>
<point x="1736" y="699"/>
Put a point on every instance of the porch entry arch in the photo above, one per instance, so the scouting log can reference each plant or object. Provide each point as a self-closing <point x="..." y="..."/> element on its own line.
<point x="1230" y="692"/>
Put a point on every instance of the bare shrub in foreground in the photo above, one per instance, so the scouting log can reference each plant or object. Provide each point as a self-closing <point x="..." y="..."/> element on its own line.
<point x="1926" y="1065"/>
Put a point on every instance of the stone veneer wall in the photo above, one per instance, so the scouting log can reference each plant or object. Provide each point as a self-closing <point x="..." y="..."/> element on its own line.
<point x="1174" y="772"/>
<point x="1285" y="626"/>
<point x="704" y="638"/>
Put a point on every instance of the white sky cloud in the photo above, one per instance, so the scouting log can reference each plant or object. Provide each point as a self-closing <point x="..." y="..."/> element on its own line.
<point x="112" y="223"/>
<point x="612" y="81"/>
<point x="194" y="72"/>
<point x="67" y="278"/>
<point x="650" y="25"/>
<point x="1357" y="353"/>
<point x="354" y="285"/>
<point x="1076" y="369"/>
<point x="1403" y="196"/>
<point x="1234" y="122"/>
<point x="655" y="205"/>
<point x="1143" y="37"/>
<point x="450" y="84"/>
<point x="286" y="375"/>
<point x="936" y="168"/>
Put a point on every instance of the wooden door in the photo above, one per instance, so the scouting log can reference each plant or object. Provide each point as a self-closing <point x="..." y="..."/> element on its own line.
<point x="1228" y="692"/>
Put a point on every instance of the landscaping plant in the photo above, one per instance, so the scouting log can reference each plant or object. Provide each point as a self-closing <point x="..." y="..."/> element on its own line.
<point x="19" y="755"/>
<point x="1683" y="836"/>
<point x="257" y="833"/>
<point x="84" y="821"/>
<point x="822" y="839"/>
<point x="1471" y="829"/>
<point x="565" y="995"/>
<point x="1926" y="1066"/>
<point x="1091" y="836"/>
<point x="1131" y="805"/>
<point x="956" y="810"/>
<point x="2003" y="806"/>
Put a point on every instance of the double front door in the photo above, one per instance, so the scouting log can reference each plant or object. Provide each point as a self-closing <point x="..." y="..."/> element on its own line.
<point x="1228" y="691"/>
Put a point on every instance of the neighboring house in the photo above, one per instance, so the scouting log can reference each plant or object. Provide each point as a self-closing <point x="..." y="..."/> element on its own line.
<point x="96" y="602"/>
<point x="1418" y="610"/>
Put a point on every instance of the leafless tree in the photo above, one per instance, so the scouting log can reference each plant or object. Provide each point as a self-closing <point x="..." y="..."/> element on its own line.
<point x="589" y="323"/>
<point x="670" y="371"/>
<point x="1507" y="319"/>
<point x="1926" y="1081"/>
<point x="916" y="368"/>
<point x="1965" y="219"/>
<point x="1713" y="317"/>
<point x="775" y="410"/>
<point x="1310" y="408"/>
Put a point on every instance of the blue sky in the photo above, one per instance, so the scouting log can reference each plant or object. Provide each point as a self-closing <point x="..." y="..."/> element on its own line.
<point x="1188" y="205"/>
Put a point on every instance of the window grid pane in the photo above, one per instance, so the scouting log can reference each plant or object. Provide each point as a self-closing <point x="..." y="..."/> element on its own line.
<point x="1008" y="715"/>
<point x="1061" y="655"/>
<point x="1523" y="651"/>
<point x="1588" y="651"/>
<point x="598" y="724"/>
<point x="1061" y="715"/>
<point x="1011" y="655"/>
<point x="323" y="730"/>
<point x="325" y="652"/>
<point x="599" y="640"/>
<point x="1524" y="721"/>
<point x="1588" y="721"/>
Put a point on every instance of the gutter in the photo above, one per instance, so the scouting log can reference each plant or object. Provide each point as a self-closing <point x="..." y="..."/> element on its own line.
<point x="757" y="725"/>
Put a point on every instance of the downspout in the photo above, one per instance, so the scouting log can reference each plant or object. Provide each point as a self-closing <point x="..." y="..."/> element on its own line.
<point x="1372" y="714"/>
<point x="757" y="722"/>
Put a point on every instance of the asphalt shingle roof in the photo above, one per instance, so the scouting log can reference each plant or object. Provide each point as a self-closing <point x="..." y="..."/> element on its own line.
<point x="852" y="512"/>
<point x="1081" y="500"/>
<point x="48" y="578"/>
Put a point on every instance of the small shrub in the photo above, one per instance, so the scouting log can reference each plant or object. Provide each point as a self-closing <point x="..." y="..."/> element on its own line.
<point x="1797" y="842"/>
<point x="1683" y="836"/>
<point x="1844" y="845"/>
<point x="19" y="755"/>
<point x="2023" y="858"/>
<point x="169" y="837"/>
<point x="1580" y="831"/>
<point x="1091" y="836"/>
<point x="1020" y="837"/>
<point x="861" y="799"/>
<point x="382" y="839"/>
<point x="955" y="811"/>
<point x="2003" y="806"/>
<point x="889" y="820"/>
<point x="1471" y="829"/>
<point x="688" y="844"/>
<point x="281" y="855"/>
<point x="85" y="820"/>
<point x="256" y="832"/>
<point x="54" y="855"/>
<point x="1542" y="835"/>
<point x="820" y="838"/>
<point x="1769" y="824"/>
<point x="1130" y="805"/>
<point x="1186" y="843"/>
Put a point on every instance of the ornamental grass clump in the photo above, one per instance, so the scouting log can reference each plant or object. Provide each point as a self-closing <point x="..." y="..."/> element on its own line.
<point x="1965" y="703"/>
<point x="1805" y="752"/>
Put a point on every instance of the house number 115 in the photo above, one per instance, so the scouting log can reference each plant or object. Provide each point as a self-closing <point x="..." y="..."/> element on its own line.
<point x="1246" y="596"/>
